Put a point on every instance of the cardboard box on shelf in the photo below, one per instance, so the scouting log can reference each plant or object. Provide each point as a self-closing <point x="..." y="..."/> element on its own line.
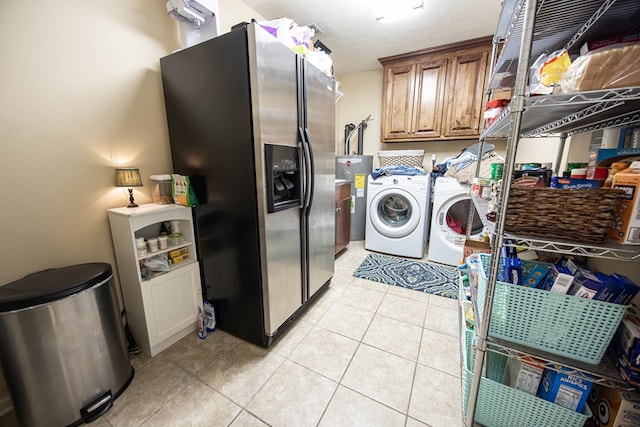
<point x="626" y="229"/>
<point x="628" y="288"/>
<point x="606" y="156"/>
<point x="587" y="285"/>
<point x="536" y="276"/>
<point x="573" y="183"/>
<point x="532" y="178"/>
<point x="565" y="390"/>
<point x="524" y="374"/>
<point x="611" y="407"/>
<point x="634" y="141"/>
<point x="559" y="279"/>
<point x="627" y="337"/>
<point x="179" y="252"/>
<point x="475" y="247"/>
<point x="179" y="258"/>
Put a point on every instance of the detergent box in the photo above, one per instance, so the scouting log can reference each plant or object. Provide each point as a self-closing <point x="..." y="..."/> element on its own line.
<point x="626" y="229"/>
<point x="587" y="285"/>
<point x="565" y="390"/>
<point x="629" y="288"/>
<point x="572" y="264"/>
<point x="627" y="337"/>
<point x="559" y="279"/>
<point x="536" y="275"/>
<point x="611" y="407"/>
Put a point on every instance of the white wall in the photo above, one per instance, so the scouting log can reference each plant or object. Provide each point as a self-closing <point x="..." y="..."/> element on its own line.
<point x="537" y="150"/>
<point x="81" y="94"/>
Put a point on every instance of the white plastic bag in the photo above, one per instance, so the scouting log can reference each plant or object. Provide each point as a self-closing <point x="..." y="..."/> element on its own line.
<point x="609" y="67"/>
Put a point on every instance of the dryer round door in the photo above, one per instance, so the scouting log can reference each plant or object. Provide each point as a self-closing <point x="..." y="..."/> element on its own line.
<point x="454" y="215"/>
<point x="394" y="213"/>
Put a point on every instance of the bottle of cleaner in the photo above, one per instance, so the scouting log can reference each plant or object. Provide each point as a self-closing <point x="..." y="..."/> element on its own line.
<point x="209" y="317"/>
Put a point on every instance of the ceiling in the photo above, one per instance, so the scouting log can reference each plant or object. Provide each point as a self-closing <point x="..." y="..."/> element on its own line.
<point x="356" y="39"/>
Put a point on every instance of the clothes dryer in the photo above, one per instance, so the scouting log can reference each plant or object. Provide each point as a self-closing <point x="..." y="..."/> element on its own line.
<point x="449" y="221"/>
<point x="398" y="215"/>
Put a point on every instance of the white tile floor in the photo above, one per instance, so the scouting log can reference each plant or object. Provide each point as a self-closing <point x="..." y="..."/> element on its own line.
<point x="365" y="354"/>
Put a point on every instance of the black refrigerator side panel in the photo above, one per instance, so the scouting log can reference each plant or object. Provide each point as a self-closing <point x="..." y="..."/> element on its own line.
<point x="208" y="105"/>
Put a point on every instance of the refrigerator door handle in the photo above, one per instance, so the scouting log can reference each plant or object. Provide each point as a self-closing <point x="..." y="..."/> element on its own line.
<point x="307" y="157"/>
<point x="311" y="169"/>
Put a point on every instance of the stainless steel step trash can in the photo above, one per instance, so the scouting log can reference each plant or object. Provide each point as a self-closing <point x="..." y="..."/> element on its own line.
<point x="62" y="345"/>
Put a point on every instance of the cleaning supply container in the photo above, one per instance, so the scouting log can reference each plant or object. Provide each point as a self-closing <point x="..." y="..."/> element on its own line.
<point x="63" y="352"/>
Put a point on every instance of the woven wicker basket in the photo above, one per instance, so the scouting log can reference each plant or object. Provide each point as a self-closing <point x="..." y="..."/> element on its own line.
<point x="401" y="157"/>
<point x="581" y="215"/>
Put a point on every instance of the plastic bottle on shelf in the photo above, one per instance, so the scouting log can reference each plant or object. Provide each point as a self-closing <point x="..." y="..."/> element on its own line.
<point x="163" y="241"/>
<point x="153" y="244"/>
<point x="141" y="246"/>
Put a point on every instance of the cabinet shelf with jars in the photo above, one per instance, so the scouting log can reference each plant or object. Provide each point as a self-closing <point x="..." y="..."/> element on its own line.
<point x="159" y="273"/>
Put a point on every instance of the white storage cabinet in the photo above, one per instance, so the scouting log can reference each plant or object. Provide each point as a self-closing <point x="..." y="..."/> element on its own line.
<point x="164" y="308"/>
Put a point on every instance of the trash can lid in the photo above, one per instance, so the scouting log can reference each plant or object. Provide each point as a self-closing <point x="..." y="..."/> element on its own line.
<point x="51" y="285"/>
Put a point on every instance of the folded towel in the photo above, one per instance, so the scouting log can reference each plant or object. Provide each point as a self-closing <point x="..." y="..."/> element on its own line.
<point x="397" y="170"/>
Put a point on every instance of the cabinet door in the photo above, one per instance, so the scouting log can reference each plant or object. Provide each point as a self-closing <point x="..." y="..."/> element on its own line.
<point x="398" y="101"/>
<point x="343" y="224"/>
<point x="171" y="303"/>
<point x="428" y="103"/>
<point x="465" y="93"/>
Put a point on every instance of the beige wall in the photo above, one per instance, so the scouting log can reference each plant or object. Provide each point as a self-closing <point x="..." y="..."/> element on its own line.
<point x="81" y="94"/>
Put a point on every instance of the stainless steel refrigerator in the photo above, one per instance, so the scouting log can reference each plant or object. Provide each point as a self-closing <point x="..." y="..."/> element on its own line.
<point x="252" y="124"/>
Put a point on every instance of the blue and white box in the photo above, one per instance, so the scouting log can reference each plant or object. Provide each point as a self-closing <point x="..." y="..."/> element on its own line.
<point x="629" y="289"/>
<point x="565" y="390"/>
<point x="587" y="285"/>
<point x="559" y="279"/>
<point x="536" y="276"/>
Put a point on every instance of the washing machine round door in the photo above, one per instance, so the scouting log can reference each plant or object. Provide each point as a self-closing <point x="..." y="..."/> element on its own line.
<point x="394" y="213"/>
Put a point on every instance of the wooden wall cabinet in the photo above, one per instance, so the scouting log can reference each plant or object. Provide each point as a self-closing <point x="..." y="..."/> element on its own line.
<point x="435" y="94"/>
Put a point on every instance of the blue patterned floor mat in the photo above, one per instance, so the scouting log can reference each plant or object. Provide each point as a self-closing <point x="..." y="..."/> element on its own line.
<point x="422" y="277"/>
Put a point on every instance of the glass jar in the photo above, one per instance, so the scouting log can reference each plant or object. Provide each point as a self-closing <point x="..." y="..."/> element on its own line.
<point x="161" y="189"/>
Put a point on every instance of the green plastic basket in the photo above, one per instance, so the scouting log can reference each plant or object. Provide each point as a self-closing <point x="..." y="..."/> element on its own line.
<point x="566" y="325"/>
<point x="499" y="405"/>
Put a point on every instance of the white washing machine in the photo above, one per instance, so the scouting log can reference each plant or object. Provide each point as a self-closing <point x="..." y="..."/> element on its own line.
<point x="449" y="218"/>
<point x="398" y="215"/>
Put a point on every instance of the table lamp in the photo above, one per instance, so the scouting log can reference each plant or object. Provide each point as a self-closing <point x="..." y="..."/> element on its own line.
<point x="128" y="177"/>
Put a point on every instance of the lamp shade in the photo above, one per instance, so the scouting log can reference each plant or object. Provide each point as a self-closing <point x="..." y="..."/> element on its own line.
<point x="128" y="177"/>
